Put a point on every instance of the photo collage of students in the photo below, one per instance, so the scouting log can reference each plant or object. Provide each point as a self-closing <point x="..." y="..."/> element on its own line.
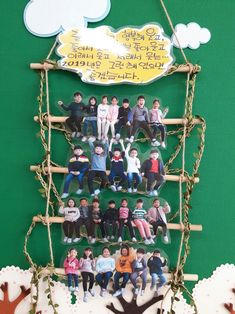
<point x="101" y="131"/>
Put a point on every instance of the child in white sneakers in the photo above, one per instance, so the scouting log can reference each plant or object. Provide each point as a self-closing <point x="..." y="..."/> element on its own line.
<point x="112" y="117"/>
<point x="71" y="266"/>
<point x="71" y="214"/>
<point x="133" y="169"/>
<point x="102" y="113"/>
<point x="87" y="266"/>
<point x="139" y="269"/>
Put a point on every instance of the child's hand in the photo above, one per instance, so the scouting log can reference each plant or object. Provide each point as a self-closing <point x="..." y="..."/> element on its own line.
<point x="60" y="102"/>
<point x="165" y="111"/>
<point x="76" y="173"/>
<point x="142" y="174"/>
<point x="125" y="221"/>
<point x="121" y="141"/>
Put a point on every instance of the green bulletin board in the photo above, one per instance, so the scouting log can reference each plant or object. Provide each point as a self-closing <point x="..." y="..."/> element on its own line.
<point x="212" y="201"/>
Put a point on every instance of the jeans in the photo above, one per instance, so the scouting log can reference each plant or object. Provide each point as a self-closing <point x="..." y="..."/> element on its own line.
<point x="70" y="278"/>
<point x="158" y="277"/>
<point x="133" y="177"/>
<point x="70" y="177"/>
<point x="93" y="124"/>
<point x="103" y="279"/>
<point x="117" y="277"/>
<point x="122" y="176"/>
<point x="161" y="127"/>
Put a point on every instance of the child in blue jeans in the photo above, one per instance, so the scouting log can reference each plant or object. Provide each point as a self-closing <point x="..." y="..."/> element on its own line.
<point x="155" y="265"/>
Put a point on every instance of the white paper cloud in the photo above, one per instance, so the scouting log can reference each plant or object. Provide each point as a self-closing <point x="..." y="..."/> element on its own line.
<point x="47" y="18"/>
<point x="190" y="35"/>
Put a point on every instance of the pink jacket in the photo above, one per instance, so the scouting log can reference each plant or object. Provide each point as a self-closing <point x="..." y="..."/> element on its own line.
<point x="113" y="113"/>
<point x="71" y="265"/>
<point x="163" y="210"/>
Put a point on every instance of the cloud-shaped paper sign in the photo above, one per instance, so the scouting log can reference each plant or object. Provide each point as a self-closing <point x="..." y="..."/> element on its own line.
<point x="47" y="18"/>
<point x="190" y="35"/>
<point x="102" y="56"/>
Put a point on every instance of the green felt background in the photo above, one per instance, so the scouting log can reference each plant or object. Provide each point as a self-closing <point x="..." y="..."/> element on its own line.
<point x="213" y="198"/>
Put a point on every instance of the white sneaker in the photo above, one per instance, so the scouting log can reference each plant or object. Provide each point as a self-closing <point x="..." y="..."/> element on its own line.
<point x="89" y="239"/>
<point x="113" y="188"/>
<point x="165" y="239"/>
<point x="119" y="188"/>
<point x="146" y="241"/>
<point x="102" y="292"/>
<point x="99" y="138"/>
<point x="131" y="140"/>
<point x="127" y="139"/>
<point x="120" y="239"/>
<point x="150" y="193"/>
<point x="129" y="190"/>
<point x="92" y="139"/>
<point x="84" y="139"/>
<point x="78" y="134"/>
<point x="117" y="293"/>
<point x="134" y="190"/>
<point x="75" y="240"/>
<point x="65" y="239"/>
<point x="122" y="290"/>
<point x="142" y="292"/>
<point x="151" y="241"/>
<point x="112" y="237"/>
<point x="92" y="292"/>
<point x="136" y="291"/>
<point x="155" y="143"/>
<point x="73" y="134"/>
<point x="64" y="195"/>
<point x="118" y="136"/>
<point x="97" y="191"/>
<point x="155" y="193"/>
<point x="163" y="145"/>
<point x="133" y="239"/>
<point x="93" y="194"/>
<point x="93" y="240"/>
<point x="105" y="240"/>
<point x="79" y="191"/>
<point x="69" y="240"/>
<point x="85" y="298"/>
<point x="71" y="289"/>
<point x="76" y="289"/>
<point x="153" y="236"/>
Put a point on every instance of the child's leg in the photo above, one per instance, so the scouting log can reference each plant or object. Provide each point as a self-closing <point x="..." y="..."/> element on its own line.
<point x="106" y="227"/>
<point x="155" y="227"/>
<point x="118" y="127"/>
<point x="131" y="230"/>
<point x="69" y="276"/>
<point x="162" y="129"/>
<point x="135" y="127"/>
<point x="114" y="228"/>
<point x="144" y="125"/>
<point x="113" y="128"/>
<point x="68" y="180"/>
<point x="104" y="179"/>
<point x="126" y="277"/>
<point x="75" y="278"/>
<point x="80" y="179"/>
<point x="162" y="281"/>
<point x="101" y="224"/>
<point x="78" y="225"/>
<point x="133" y="279"/>
<point x="85" y="276"/>
<point x="106" y="279"/>
<point x="67" y="228"/>
<point x="90" y="179"/>
<point x="99" y="127"/>
<point x="91" y="280"/>
<point x="117" y="277"/>
<point x="159" y="180"/>
<point x="99" y="279"/>
<point x="94" y="127"/>
<point x="144" y="279"/>
<point x="154" y="277"/>
<point x="85" y="126"/>
<point x="111" y="177"/>
<point x="70" y="123"/>
<point x="123" y="179"/>
<point x="129" y="179"/>
<point x="120" y="228"/>
<point x="87" y="225"/>
<point x="140" y="227"/>
<point x="146" y="228"/>
<point x="150" y="181"/>
<point x="137" y="180"/>
<point x="78" y="123"/>
<point x="154" y="128"/>
<point x="107" y="125"/>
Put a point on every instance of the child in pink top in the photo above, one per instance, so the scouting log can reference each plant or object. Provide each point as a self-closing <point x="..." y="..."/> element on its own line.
<point x="71" y="266"/>
<point x="112" y="117"/>
<point x="125" y="218"/>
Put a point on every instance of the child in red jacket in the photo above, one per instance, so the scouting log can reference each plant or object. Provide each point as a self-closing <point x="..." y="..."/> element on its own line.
<point x="71" y="266"/>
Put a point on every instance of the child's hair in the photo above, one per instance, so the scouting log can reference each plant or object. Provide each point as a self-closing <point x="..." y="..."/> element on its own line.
<point x="71" y="199"/>
<point x="95" y="200"/>
<point x="140" y="97"/>
<point x="83" y="199"/>
<point x="92" y="97"/>
<point x="99" y="145"/>
<point x="87" y="249"/>
<point x="124" y="199"/>
<point x="139" y="201"/>
<point x="77" y="94"/>
<point x="72" y="249"/>
<point x="114" y="97"/>
<point x="140" y="250"/>
<point x="156" y="100"/>
<point x="156" y="251"/>
<point x="156" y="199"/>
<point x="125" y="246"/>
<point x="77" y="147"/>
<point x="125" y="100"/>
<point x="104" y="97"/>
<point x="154" y="151"/>
<point x="117" y="149"/>
<point x="132" y="149"/>
<point x="112" y="202"/>
<point x="106" y="248"/>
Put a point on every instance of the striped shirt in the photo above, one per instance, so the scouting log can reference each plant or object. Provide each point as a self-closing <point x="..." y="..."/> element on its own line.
<point x="139" y="213"/>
